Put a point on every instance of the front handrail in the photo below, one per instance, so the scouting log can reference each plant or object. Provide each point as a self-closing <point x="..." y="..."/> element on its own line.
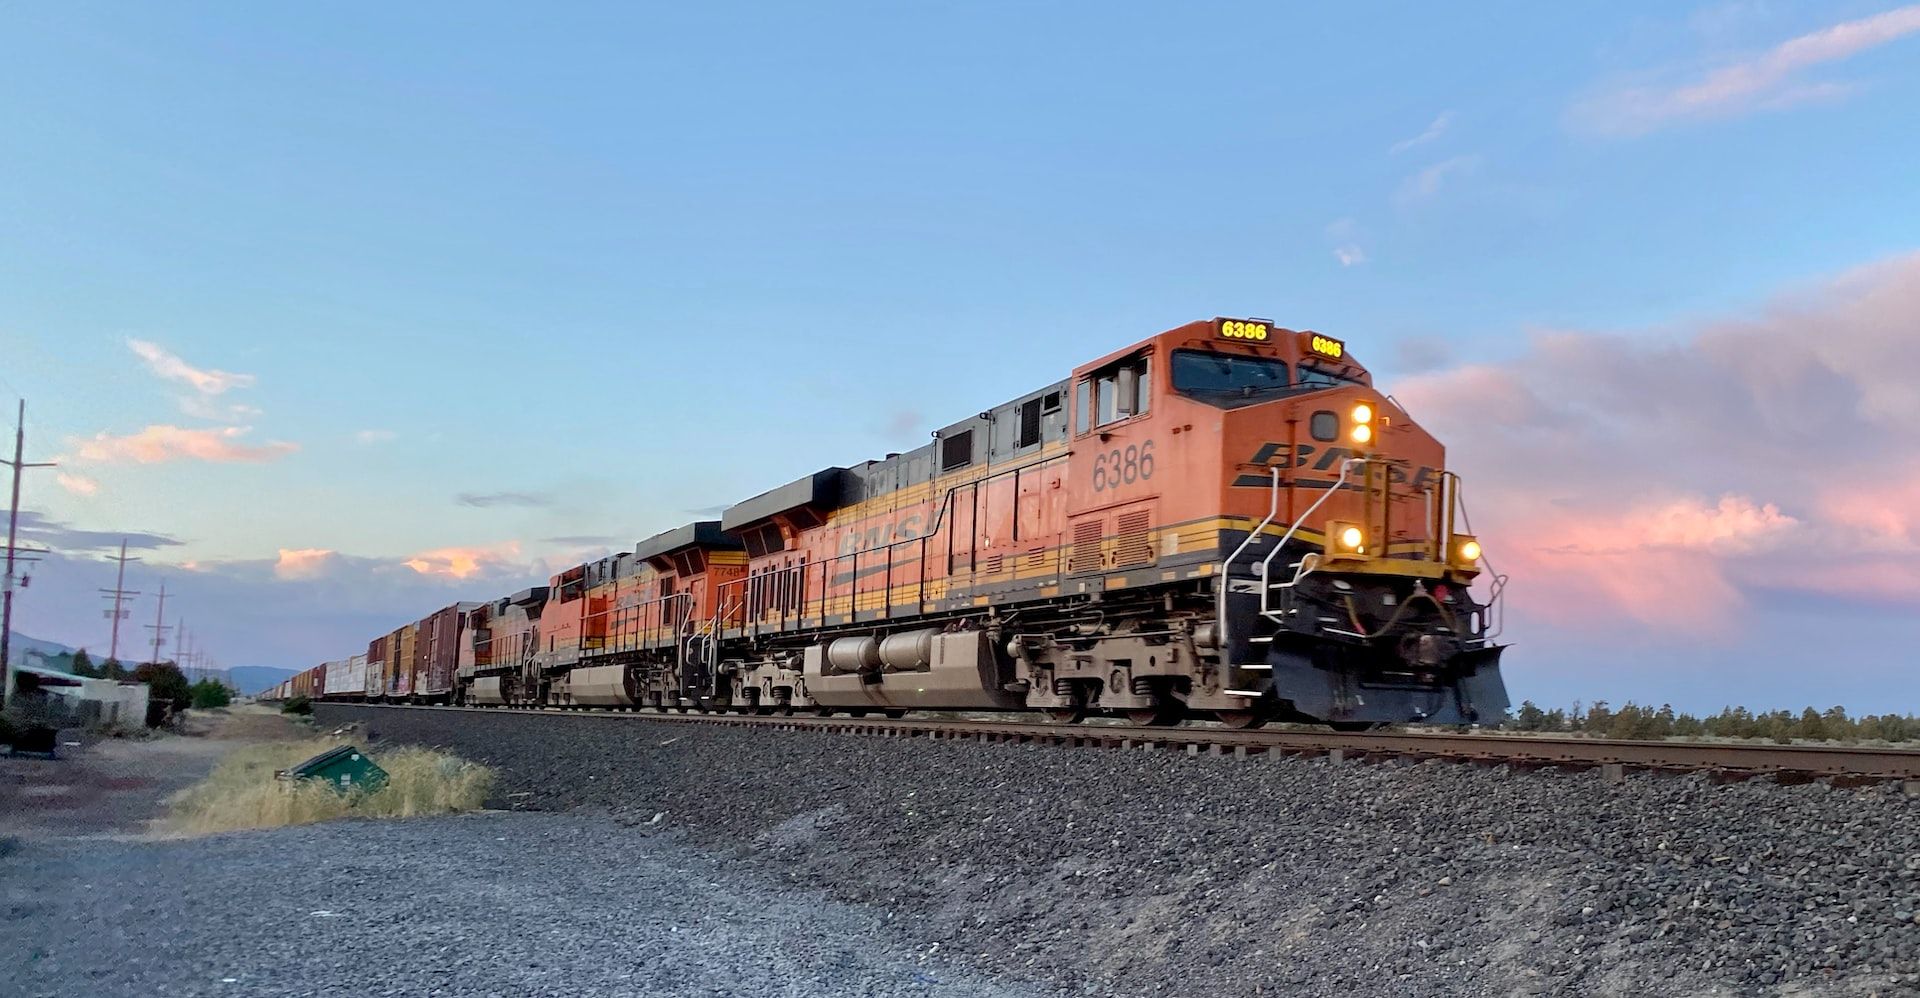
<point x="1266" y="566"/>
<point x="1220" y="593"/>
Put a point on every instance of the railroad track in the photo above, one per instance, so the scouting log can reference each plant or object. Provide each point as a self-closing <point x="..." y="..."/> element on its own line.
<point x="1846" y="766"/>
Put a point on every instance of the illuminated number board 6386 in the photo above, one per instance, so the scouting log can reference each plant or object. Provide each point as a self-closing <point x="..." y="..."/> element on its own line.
<point x="1245" y="330"/>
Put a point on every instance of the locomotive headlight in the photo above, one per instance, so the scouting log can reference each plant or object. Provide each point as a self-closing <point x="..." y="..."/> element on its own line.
<point x="1466" y="551"/>
<point x="1345" y="540"/>
<point x="1362" y="419"/>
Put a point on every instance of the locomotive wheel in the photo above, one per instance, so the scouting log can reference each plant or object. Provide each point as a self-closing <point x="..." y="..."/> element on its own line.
<point x="1356" y="725"/>
<point x="1165" y="713"/>
<point x="1074" y="711"/>
<point x="857" y="712"/>
<point x="1242" y="719"/>
<point x="896" y="714"/>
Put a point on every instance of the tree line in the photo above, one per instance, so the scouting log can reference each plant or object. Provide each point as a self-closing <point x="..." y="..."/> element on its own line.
<point x="164" y="681"/>
<point x="1635" y="721"/>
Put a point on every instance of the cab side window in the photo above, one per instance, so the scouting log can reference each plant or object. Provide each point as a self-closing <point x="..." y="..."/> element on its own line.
<point x="1119" y="392"/>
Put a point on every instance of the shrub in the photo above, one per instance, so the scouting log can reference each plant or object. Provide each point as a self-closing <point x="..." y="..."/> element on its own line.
<point x="242" y="792"/>
<point x="210" y="693"/>
<point x="165" y="682"/>
<point x="297" y="705"/>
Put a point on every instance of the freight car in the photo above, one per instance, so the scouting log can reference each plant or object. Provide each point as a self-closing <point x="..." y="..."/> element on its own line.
<point x="1227" y="520"/>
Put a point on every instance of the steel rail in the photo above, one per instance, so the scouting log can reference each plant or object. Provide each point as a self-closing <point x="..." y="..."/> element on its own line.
<point x="1791" y="763"/>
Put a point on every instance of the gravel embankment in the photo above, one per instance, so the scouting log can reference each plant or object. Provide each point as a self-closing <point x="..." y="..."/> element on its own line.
<point x="482" y="905"/>
<point x="1153" y="873"/>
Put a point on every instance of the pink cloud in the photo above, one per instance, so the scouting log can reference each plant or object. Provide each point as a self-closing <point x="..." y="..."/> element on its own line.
<point x="1665" y="563"/>
<point x="1669" y="476"/>
<point x="79" y="485"/>
<point x="304" y="563"/>
<point x="160" y="443"/>
<point x="1886" y="511"/>
<point x="464" y="562"/>
<point x="1766" y="81"/>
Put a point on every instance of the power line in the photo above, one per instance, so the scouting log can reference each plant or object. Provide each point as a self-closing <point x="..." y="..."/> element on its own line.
<point x="13" y="523"/>
<point x="118" y="593"/>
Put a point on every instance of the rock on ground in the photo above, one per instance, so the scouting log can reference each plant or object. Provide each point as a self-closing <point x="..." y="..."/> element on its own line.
<point x="483" y="905"/>
<point x="1155" y="873"/>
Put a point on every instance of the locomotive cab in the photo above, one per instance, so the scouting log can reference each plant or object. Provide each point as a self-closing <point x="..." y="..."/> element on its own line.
<point x="1346" y="576"/>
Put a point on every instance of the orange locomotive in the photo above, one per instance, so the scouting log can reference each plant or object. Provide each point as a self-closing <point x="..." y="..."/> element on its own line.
<point x="1226" y="520"/>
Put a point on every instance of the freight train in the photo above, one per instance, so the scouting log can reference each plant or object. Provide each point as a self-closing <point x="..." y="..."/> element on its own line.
<point x="1224" y="521"/>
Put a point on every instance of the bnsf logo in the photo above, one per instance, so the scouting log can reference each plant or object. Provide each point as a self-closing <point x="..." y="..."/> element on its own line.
<point x="1271" y="454"/>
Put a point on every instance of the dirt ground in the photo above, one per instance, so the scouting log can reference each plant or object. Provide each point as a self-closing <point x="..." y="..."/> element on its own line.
<point x="116" y="788"/>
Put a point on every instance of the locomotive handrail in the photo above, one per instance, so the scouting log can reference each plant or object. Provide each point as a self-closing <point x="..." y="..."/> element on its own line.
<point x="1495" y="609"/>
<point x="1266" y="567"/>
<point x="1220" y="596"/>
<point x="748" y="585"/>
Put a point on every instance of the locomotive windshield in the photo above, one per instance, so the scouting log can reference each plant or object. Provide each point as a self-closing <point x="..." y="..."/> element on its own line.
<point x="1227" y="380"/>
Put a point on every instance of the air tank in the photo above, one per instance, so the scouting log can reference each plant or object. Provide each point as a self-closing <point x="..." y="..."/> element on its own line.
<point x="854" y="655"/>
<point x="908" y="651"/>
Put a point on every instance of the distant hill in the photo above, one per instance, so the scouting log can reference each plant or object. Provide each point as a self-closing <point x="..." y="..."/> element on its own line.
<point x="251" y="679"/>
<point x="248" y="679"/>
<point x="24" y="650"/>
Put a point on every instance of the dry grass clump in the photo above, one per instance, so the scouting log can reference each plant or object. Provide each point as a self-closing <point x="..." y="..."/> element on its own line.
<point x="242" y="792"/>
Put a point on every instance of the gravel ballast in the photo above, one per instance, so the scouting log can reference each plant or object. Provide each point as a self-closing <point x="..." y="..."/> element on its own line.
<point x="478" y="905"/>
<point x="1157" y="873"/>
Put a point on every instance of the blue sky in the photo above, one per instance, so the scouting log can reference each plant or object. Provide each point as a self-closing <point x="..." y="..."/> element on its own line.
<point x="607" y="266"/>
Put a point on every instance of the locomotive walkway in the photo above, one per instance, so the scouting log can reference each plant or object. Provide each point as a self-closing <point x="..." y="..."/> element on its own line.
<point x="1843" y="765"/>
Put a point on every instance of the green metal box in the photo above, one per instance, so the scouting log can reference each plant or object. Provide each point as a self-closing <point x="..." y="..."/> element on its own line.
<point x="343" y="769"/>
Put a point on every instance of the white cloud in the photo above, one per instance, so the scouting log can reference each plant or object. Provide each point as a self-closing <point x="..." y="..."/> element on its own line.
<point x="168" y="365"/>
<point x="374" y="436"/>
<point x="1346" y="236"/>
<point x="202" y="407"/>
<point x="1428" y="182"/>
<point x="1767" y="81"/>
<point x="1433" y="131"/>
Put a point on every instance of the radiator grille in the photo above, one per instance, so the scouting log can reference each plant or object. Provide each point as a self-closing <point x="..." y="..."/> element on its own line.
<point x="1131" y="546"/>
<point x="1086" y="547"/>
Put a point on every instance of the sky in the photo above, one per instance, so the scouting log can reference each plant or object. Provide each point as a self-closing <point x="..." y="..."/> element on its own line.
<point x="342" y="312"/>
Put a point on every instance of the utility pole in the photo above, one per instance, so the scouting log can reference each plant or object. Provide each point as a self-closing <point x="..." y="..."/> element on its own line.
<point x="181" y="655"/>
<point x="118" y="593"/>
<point x="159" y="626"/>
<point x="18" y="464"/>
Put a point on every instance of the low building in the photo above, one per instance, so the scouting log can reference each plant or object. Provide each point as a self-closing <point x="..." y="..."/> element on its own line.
<point x="77" y="701"/>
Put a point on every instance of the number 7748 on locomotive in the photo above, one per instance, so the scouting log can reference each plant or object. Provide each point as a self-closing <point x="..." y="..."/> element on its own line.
<point x="1225" y="521"/>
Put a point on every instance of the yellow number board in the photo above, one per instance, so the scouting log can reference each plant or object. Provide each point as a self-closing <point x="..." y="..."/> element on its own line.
<point x="1325" y="346"/>
<point x="1244" y="330"/>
